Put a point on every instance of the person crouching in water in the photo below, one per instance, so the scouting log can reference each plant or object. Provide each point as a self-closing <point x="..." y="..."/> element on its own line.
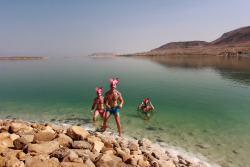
<point x="99" y="102"/>
<point x="147" y="107"/>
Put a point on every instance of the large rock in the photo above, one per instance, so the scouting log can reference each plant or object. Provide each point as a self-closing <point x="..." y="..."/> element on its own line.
<point x="14" y="136"/>
<point x="103" y="158"/>
<point x="4" y="135"/>
<point x="10" y="161"/>
<point x="21" y="142"/>
<point x="48" y="129"/>
<point x="71" y="155"/>
<point x="77" y="133"/>
<point x="133" y="146"/>
<point x="50" y="146"/>
<point x="18" y="126"/>
<point x="63" y="140"/>
<point x="89" y="163"/>
<point x="72" y="164"/>
<point x="81" y="145"/>
<point x="60" y="153"/>
<point x="97" y="146"/>
<point x="31" y="161"/>
<point x="121" y="153"/>
<point x="43" y="136"/>
<point x="144" y="163"/>
<point x="145" y="142"/>
<point x="92" y="139"/>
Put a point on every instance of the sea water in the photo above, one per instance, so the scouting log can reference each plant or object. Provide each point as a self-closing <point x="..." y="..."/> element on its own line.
<point x="202" y="105"/>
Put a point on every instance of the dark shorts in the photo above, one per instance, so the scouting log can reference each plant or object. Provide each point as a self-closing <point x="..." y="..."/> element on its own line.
<point x="113" y="110"/>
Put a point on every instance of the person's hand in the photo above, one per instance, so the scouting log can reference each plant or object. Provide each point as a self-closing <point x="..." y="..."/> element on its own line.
<point x="91" y="111"/>
<point x="108" y="107"/>
<point x="120" y="106"/>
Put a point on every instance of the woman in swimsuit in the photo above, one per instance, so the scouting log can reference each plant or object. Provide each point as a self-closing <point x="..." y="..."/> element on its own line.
<point x="99" y="102"/>
<point x="147" y="107"/>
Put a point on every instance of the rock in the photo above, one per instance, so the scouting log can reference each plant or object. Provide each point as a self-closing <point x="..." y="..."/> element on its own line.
<point x="97" y="146"/>
<point x="50" y="146"/>
<point x="10" y="161"/>
<point x="48" y="129"/>
<point x="18" y="126"/>
<point x="63" y="140"/>
<point x="29" y="131"/>
<point x="48" y="124"/>
<point x="84" y="154"/>
<point x="107" y="144"/>
<point x="71" y="155"/>
<point x="21" y="142"/>
<point x="4" y="135"/>
<point x="4" y="129"/>
<point x="103" y="158"/>
<point x="21" y="155"/>
<point x="1" y="122"/>
<point x="7" y="122"/>
<point x="43" y="136"/>
<point x="144" y="163"/>
<point x="145" y="142"/>
<point x="78" y="160"/>
<point x="203" y="146"/>
<point x="133" y="146"/>
<point x="92" y="139"/>
<point x="115" y="158"/>
<point x="89" y="163"/>
<point x="71" y="164"/>
<point x="14" y="136"/>
<point x="53" y="162"/>
<point x="60" y="153"/>
<point x="31" y="161"/>
<point x="57" y="129"/>
<point x="81" y="145"/>
<point x="124" y="156"/>
<point x="77" y="133"/>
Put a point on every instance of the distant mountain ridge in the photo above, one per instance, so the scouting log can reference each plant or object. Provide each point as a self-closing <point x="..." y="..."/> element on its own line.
<point x="233" y="42"/>
<point x="236" y="36"/>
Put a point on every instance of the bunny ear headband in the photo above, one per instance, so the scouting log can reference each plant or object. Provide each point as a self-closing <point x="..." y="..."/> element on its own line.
<point x="113" y="82"/>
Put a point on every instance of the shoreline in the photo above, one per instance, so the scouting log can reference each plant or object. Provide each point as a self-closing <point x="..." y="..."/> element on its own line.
<point x="19" y="137"/>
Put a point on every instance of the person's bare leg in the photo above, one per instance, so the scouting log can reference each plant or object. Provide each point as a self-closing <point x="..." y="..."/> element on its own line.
<point x="117" y="119"/>
<point x="95" y="115"/>
<point x="107" y="115"/>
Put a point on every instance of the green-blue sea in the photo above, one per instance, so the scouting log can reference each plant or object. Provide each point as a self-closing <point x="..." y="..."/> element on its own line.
<point x="202" y="104"/>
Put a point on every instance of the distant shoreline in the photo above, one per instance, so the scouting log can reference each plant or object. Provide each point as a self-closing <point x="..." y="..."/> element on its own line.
<point x="22" y="58"/>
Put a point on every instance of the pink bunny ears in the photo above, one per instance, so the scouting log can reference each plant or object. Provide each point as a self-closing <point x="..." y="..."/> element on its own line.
<point x="99" y="91"/>
<point x="146" y="101"/>
<point x="113" y="82"/>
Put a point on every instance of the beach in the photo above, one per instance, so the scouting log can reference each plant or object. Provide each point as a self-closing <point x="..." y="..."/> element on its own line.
<point x="23" y="144"/>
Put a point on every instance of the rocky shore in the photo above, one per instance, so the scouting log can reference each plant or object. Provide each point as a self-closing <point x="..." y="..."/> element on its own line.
<point x="38" y="145"/>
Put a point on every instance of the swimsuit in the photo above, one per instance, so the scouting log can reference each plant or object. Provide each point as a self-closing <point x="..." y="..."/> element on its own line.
<point x="113" y="110"/>
<point x="101" y="112"/>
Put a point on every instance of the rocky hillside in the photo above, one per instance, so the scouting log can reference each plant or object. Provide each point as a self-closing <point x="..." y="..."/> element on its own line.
<point x="233" y="42"/>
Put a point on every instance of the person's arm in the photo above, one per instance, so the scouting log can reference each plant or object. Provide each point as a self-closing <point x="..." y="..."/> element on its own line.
<point x="121" y="101"/>
<point x="93" y="106"/>
<point x="152" y="107"/>
<point x="106" y="103"/>
<point x="139" y="107"/>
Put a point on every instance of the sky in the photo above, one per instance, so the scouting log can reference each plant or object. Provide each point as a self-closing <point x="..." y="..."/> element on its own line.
<point x="82" y="27"/>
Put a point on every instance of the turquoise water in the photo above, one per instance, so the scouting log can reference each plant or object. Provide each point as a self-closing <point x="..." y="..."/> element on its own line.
<point x="200" y="108"/>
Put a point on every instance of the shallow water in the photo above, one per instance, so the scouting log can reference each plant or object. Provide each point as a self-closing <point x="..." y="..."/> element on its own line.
<point x="202" y="105"/>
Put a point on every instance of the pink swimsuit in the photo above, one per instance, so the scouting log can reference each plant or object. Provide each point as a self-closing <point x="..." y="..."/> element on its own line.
<point x="101" y="112"/>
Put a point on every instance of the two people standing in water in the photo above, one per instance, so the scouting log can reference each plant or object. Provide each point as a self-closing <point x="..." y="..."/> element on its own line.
<point x="110" y="100"/>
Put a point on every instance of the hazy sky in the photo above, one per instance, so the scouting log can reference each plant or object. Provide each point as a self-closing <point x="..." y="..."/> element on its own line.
<point x="82" y="27"/>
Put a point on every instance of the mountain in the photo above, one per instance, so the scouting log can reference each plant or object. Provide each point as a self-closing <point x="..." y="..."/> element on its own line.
<point x="233" y="42"/>
<point x="106" y="54"/>
<point x="236" y="36"/>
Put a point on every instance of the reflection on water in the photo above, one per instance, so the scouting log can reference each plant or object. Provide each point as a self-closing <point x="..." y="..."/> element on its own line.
<point x="234" y="68"/>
